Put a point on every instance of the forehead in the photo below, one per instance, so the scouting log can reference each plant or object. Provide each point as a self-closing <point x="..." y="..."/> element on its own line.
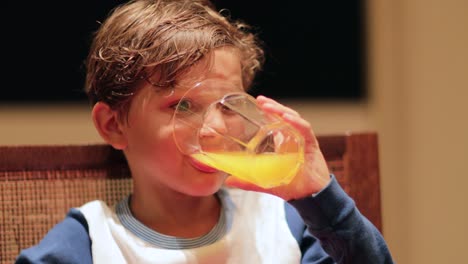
<point x="222" y="64"/>
<point x="207" y="91"/>
<point x="218" y="73"/>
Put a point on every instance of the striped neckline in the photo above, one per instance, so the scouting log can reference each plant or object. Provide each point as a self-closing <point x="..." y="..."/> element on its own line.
<point x="171" y="242"/>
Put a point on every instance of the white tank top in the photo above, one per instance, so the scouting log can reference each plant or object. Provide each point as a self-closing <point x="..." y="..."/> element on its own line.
<point x="255" y="231"/>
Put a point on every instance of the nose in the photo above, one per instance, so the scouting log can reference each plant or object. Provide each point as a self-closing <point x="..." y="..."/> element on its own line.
<point x="213" y="124"/>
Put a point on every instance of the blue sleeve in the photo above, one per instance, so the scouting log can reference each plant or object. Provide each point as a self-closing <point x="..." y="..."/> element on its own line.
<point x="66" y="242"/>
<point x="330" y="229"/>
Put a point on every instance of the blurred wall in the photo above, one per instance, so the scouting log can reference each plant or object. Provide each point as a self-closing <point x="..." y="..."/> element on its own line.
<point x="418" y="101"/>
<point x="419" y="79"/>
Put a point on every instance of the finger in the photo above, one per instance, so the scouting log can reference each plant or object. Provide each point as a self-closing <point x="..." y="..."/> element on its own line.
<point x="293" y="117"/>
<point x="272" y="105"/>
<point x="304" y="128"/>
<point x="278" y="109"/>
<point x="264" y="99"/>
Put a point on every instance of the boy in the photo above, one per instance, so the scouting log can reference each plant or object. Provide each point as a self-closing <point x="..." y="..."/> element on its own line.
<point x="143" y="59"/>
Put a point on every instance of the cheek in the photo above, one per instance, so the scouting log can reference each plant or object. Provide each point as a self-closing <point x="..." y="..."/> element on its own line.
<point x="153" y="142"/>
<point x="167" y="161"/>
<point x="167" y="150"/>
<point x="162" y="142"/>
<point x="157" y="157"/>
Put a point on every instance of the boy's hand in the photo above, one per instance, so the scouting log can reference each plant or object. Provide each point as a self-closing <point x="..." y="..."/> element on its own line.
<point x="313" y="176"/>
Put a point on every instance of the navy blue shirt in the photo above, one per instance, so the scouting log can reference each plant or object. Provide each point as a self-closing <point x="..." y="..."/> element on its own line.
<point x="327" y="227"/>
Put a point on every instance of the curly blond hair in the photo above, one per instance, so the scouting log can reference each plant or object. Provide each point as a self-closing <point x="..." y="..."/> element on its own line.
<point x="144" y="36"/>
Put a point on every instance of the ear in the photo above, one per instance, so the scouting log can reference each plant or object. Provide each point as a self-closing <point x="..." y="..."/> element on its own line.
<point x="109" y="125"/>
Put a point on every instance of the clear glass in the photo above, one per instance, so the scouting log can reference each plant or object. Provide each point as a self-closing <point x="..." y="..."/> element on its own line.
<point x="225" y="129"/>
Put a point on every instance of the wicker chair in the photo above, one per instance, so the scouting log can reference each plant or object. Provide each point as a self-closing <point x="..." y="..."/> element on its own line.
<point x="39" y="184"/>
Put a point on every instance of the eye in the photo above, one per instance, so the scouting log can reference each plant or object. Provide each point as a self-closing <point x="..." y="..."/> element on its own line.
<point x="182" y="105"/>
<point x="226" y="109"/>
<point x="235" y="101"/>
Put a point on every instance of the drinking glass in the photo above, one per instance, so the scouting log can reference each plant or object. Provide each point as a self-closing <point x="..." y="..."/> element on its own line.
<point x="224" y="128"/>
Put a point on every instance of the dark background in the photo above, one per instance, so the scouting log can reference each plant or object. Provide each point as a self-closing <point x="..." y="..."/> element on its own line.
<point x="314" y="50"/>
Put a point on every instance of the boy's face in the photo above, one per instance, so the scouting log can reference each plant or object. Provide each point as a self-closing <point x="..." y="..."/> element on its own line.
<point x="155" y="161"/>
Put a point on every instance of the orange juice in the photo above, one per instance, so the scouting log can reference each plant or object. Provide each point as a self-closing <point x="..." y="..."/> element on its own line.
<point x="265" y="169"/>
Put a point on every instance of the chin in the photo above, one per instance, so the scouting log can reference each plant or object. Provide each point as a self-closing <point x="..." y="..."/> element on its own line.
<point x="204" y="180"/>
<point x="207" y="184"/>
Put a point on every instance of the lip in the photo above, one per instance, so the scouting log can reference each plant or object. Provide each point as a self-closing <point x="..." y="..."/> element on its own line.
<point x="201" y="166"/>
